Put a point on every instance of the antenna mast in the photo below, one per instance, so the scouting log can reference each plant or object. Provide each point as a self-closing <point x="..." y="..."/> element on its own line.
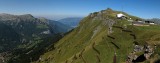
<point x="122" y="8"/>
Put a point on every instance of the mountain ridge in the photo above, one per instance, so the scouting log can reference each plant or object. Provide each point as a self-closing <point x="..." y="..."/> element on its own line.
<point x="99" y="38"/>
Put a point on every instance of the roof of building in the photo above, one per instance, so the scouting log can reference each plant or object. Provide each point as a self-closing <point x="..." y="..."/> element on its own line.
<point x="120" y="15"/>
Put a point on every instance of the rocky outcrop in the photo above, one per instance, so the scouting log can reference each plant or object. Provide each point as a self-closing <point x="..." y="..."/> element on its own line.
<point x="147" y="51"/>
<point x="110" y="23"/>
<point x="95" y="31"/>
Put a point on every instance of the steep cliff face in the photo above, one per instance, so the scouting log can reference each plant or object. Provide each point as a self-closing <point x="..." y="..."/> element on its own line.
<point x="99" y="38"/>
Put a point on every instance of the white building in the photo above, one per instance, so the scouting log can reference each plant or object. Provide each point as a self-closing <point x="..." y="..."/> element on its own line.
<point x="120" y="15"/>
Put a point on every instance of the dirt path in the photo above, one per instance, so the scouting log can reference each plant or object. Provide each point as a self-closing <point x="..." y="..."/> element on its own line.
<point x="81" y="56"/>
<point x="98" y="53"/>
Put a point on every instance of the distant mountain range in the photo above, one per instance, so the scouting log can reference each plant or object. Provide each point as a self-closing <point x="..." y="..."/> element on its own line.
<point x="22" y="33"/>
<point x="73" y="22"/>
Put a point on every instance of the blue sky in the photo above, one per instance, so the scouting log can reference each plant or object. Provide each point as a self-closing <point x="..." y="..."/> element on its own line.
<point x="56" y="9"/>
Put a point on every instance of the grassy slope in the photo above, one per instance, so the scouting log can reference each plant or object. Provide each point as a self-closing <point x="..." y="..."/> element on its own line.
<point x="79" y="46"/>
